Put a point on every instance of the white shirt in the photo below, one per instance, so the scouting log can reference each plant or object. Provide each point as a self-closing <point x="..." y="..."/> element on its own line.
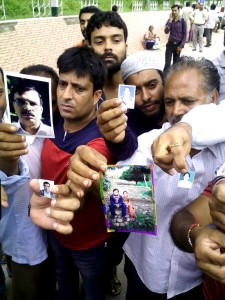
<point x="43" y="131"/>
<point x="219" y="62"/>
<point x="162" y="267"/>
<point x="199" y="16"/>
<point x="186" y="12"/>
<point x="212" y="19"/>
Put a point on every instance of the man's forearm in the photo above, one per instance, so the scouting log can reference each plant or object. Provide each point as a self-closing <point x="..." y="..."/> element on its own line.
<point x="126" y="148"/>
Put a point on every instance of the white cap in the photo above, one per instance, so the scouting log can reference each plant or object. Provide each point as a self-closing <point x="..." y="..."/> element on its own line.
<point x="140" y="61"/>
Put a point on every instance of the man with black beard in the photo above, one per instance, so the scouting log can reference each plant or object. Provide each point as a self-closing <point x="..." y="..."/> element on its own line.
<point x="107" y="35"/>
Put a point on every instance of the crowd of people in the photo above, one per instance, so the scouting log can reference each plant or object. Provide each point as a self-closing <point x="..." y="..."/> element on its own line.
<point x="53" y="241"/>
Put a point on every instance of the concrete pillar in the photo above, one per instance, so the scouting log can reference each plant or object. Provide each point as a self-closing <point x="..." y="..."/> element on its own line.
<point x="54" y="8"/>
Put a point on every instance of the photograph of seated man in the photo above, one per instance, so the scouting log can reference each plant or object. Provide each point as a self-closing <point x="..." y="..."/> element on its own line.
<point x="116" y="201"/>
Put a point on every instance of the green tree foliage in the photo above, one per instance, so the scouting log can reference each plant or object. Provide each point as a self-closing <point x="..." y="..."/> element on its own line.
<point x="106" y="184"/>
<point x="136" y="173"/>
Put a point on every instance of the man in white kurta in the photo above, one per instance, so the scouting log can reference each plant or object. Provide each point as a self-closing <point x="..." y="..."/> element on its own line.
<point x="160" y="265"/>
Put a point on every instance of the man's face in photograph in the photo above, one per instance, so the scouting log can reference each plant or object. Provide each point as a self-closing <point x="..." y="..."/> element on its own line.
<point x="28" y="108"/>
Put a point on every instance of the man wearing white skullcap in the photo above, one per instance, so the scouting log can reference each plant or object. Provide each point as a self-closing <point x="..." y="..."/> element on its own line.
<point x="143" y="69"/>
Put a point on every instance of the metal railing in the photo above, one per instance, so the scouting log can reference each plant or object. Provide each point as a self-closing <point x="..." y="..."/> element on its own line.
<point x="88" y="3"/>
<point x="137" y="6"/>
<point x="118" y="3"/>
<point x="2" y="10"/>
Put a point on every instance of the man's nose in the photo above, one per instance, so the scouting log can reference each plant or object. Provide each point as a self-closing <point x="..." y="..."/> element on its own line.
<point x="146" y="95"/>
<point x="179" y="109"/>
<point x="67" y="94"/>
<point x="108" y="44"/>
<point x="85" y="24"/>
<point x="27" y="105"/>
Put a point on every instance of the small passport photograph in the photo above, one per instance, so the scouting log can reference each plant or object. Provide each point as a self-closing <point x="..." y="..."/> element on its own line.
<point x="127" y="95"/>
<point x="45" y="188"/>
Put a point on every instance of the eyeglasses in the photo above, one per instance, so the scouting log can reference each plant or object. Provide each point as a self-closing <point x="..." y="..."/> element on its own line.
<point x="21" y="102"/>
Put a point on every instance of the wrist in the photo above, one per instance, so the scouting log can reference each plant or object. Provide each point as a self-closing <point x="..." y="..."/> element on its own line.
<point x="217" y="180"/>
<point x="192" y="232"/>
<point x="187" y="127"/>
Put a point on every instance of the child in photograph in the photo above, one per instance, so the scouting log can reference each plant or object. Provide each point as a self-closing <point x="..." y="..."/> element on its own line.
<point x="130" y="208"/>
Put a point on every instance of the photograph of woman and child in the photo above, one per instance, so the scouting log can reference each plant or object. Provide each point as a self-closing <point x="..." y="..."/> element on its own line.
<point x="128" y="201"/>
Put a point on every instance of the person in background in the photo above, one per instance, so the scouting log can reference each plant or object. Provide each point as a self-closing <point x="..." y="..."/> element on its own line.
<point x="211" y="24"/>
<point x="199" y="17"/>
<point x="186" y="11"/>
<point x="84" y="17"/>
<point x="219" y="62"/>
<point x="176" y="26"/>
<point x="149" y="38"/>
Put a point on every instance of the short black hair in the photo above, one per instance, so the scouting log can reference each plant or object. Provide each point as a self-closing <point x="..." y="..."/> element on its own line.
<point x="213" y="6"/>
<point x="22" y="85"/>
<point x="187" y="4"/>
<point x="2" y="73"/>
<point x="37" y="69"/>
<point x="109" y="18"/>
<point x="115" y="8"/>
<point x="115" y="190"/>
<point x="46" y="182"/>
<point x="89" y="9"/>
<point x="187" y="173"/>
<point x="175" y="5"/>
<point x="83" y="61"/>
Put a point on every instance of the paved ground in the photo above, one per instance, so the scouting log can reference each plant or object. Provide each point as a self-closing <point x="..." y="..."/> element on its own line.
<point x="32" y="41"/>
<point x="22" y="47"/>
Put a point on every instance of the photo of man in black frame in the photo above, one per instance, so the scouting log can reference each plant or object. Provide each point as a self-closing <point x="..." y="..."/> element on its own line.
<point x="29" y="100"/>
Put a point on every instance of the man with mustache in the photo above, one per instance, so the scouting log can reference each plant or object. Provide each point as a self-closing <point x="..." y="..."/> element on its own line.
<point x="28" y="106"/>
<point x="155" y="267"/>
<point x="107" y="35"/>
<point x="188" y="83"/>
<point x="143" y="70"/>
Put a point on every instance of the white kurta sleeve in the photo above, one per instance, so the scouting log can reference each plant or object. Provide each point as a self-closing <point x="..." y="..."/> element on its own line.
<point x="208" y="124"/>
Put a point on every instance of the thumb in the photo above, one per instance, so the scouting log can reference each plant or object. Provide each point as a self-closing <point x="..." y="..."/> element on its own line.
<point x="34" y="185"/>
<point x="4" y="198"/>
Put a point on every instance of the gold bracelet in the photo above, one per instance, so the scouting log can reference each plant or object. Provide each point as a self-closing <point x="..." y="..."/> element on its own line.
<point x="189" y="232"/>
